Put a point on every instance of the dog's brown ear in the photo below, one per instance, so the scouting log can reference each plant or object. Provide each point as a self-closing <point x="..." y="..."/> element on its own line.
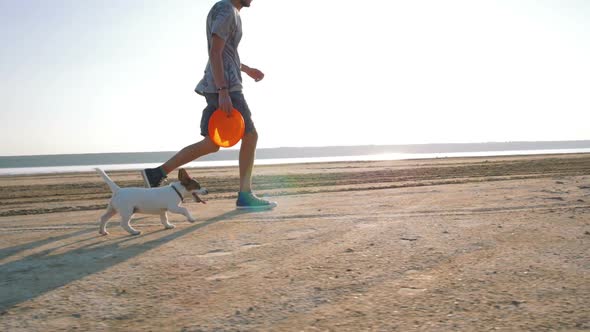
<point x="183" y="176"/>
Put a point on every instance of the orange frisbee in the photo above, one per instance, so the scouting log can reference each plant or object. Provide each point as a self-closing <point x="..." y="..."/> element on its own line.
<point x="226" y="131"/>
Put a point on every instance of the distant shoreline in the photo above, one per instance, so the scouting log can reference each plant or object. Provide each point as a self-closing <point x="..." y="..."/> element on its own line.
<point x="289" y="161"/>
<point x="285" y="153"/>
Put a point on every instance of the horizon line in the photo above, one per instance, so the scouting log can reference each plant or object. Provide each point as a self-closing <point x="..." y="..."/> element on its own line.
<point x="318" y="147"/>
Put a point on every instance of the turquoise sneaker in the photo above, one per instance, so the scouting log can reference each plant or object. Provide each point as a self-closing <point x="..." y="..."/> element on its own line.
<point x="249" y="201"/>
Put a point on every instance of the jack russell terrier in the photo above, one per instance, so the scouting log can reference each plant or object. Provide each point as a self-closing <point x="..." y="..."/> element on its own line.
<point x="127" y="201"/>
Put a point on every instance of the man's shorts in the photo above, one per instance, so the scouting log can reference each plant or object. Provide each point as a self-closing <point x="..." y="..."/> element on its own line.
<point x="237" y="99"/>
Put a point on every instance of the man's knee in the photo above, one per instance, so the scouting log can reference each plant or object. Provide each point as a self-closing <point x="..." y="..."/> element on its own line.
<point x="214" y="148"/>
<point x="210" y="146"/>
<point x="251" y="136"/>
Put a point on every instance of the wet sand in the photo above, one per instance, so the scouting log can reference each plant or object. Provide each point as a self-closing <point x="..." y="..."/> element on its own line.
<point x="466" y="244"/>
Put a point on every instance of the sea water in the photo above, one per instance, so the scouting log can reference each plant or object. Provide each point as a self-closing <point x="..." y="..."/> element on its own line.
<point x="279" y="161"/>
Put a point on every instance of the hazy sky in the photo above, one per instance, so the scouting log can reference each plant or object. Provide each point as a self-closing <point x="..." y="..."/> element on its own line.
<point x="85" y="76"/>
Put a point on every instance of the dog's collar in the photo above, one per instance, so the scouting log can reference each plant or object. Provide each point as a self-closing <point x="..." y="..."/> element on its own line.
<point x="178" y="192"/>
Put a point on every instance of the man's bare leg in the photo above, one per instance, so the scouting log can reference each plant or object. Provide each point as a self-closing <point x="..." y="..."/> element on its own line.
<point x="247" y="155"/>
<point x="190" y="153"/>
<point x="246" y="199"/>
<point x="153" y="177"/>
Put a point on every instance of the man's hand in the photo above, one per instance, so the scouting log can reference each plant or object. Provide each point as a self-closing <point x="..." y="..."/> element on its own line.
<point x="256" y="74"/>
<point x="224" y="101"/>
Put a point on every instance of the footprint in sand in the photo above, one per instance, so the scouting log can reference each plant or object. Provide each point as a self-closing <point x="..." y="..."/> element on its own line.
<point x="223" y="252"/>
<point x="216" y="253"/>
<point x="223" y="276"/>
<point x="556" y="198"/>
<point x="410" y="291"/>
<point x="297" y="233"/>
<point x="250" y="245"/>
<point x="419" y="280"/>
<point x="242" y="269"/>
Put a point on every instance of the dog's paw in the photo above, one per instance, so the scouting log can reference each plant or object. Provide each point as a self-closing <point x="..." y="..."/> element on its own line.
<point x="135" y="233"/>
<point x="191" y="219"/>
<point x="103" y="233"/>
<point x="169" y="226"/>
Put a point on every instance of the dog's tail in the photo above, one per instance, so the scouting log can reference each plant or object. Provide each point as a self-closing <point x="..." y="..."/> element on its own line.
<point x="114" y="187"/>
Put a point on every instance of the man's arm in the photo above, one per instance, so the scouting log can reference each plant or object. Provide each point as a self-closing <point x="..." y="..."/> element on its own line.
<point x="216" y="59"/>
<point x="256" y="74"/>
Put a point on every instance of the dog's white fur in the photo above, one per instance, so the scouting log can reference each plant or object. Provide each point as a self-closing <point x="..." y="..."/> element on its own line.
<point x="127" y="201"/>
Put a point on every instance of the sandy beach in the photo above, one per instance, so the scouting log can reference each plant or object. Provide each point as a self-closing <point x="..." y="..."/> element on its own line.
<point x="465" y="244"/>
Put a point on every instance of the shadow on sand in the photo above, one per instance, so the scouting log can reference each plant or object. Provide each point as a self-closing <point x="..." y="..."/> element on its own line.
<point x="41" y="272"/>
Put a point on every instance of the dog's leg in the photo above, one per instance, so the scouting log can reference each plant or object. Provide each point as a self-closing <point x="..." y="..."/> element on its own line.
<point x="105" y="218"/>
<point x="164" y="219"/>
<point x="125" y="220"/>
<point x="183" y="211"/>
